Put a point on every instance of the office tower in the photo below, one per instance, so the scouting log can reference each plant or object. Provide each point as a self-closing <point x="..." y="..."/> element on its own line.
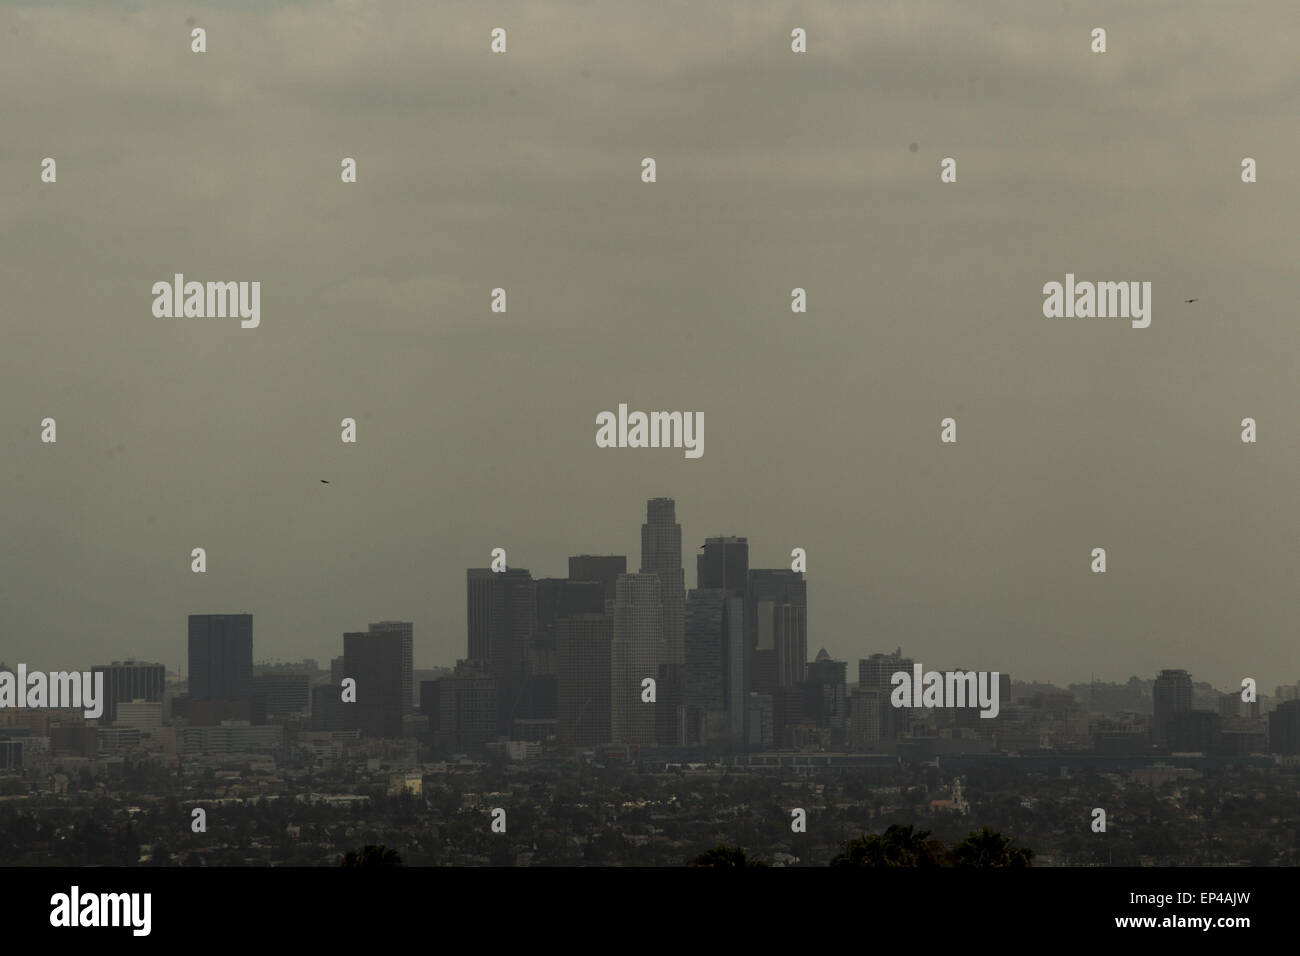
<point x="328" y="712"/>
<point x="279" y="694"/>
<point x="706" y="646"/>
<point x="762" y="649"/>
<point x="469" y="709"/>
<point x="375" y="660"/>
<point x="723" y="564"/>
<point x="777" y="586"/>
<point x="761" y="707"/>
<point x="604" y="568"/>
<point x="736" y="655"/>
<point x="430" y="706"/>
<point x="867" y="729"/>
<point x="766" y="590"/>
<point x="636" y="652"/>
<point x="1194" y="731"/>
<point x="876" y="673"/>
<point x="1284" y="728"/>
<point x="221" y="656"/>
<point x="828" y="696"/>
<point x="661" y="554"/>
<point x="583" y="648"/>
<point x="1171" y="695"/>
<point x="670" y="706"/>
<point x="790" y="642"/>
<point x="403" y="630"/>
<point x="125" y="681"/>
<point x="559" y="598"/>
<point x="221" y="667"/>
<point x="502" y="619"/>
<point x="1232" y="706"/>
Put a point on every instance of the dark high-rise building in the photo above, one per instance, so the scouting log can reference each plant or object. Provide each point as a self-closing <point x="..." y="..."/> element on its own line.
<point x="777" y="586"/>
<point x="604" y="568"/>
<point x="1284" y="728"/>
<point x="1171" y="695"/>
<point x="735" y="677"/>
<point x="723" y="564"/>
<point x="328" y="712"/>
<point x="790" y="642"/>
<point x="430" y="705"/>
<point x="502" y="619"/>
<point x="583" y="643"/>
<point x="281" y="694"/>
<point x="468" y="707"/>
<point x="661" y="554"/>
<point x="403" y="631"/>
<point x="827" y="702"/>
<point x="769" y="588"/>
<point x="1194" y="731"/>
<point x="374" y="660"/>
<point x="706" y="661"/>
<point x="557" y="600"/>
<point x="562" y="597"/>
<point x="221" y="667"/>
<point x="670" y="706"/>
<point x="125" y="681"/>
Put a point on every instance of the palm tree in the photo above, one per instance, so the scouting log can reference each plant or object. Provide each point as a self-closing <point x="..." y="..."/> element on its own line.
<point x="897" y="846"/>
<point x="990" y="848"/>
<point x="371" y="856"/>
<point x="725" y="857"/>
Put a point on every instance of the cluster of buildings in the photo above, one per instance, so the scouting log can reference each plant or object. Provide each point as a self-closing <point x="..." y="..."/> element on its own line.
<point x="612" y="662"/>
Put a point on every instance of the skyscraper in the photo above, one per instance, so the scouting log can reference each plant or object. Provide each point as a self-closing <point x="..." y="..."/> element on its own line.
<point x="706" y="649"/>
<point x="790" y="642"/>
<point x="583" y="646"/>
<point x="221" y="667"/>
<point x="468" y="707"/>
<point x="828" y="698"/>
<point x="661" y="554"/>
<point x="777" y="585"/>
<point x="876" y="673"/>
<point x="723" y="563"/>
<point x="403" y="630"/>
<point x="767" y="590"/>
<point x="502" y="618"/>
<point x="636" y="652"/>
<point x="125" y="681"/>
<point x="604" y="568"/>
<point x="1171" y="695"/>
<point x="1284" y="728"/>
<point x="736" y="650"/>
<point x="375" y="661"/>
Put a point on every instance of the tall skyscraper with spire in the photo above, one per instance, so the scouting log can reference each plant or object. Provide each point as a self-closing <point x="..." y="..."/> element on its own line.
<point x="661" y="555"/>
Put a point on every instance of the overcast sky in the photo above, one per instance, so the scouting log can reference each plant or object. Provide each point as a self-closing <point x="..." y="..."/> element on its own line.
<point x="775" y="170"/>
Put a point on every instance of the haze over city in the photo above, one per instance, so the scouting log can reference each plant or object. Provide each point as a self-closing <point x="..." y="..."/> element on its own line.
<point x="476" y="429"/>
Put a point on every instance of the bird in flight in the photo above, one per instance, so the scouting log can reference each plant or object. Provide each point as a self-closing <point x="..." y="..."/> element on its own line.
<point x="324" y="482"/>
<point x="1189" y="300"/>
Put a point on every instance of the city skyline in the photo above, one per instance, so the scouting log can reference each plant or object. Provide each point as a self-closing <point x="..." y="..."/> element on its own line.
<point x="839" y="650"/>
<point x="776" y="170"/>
